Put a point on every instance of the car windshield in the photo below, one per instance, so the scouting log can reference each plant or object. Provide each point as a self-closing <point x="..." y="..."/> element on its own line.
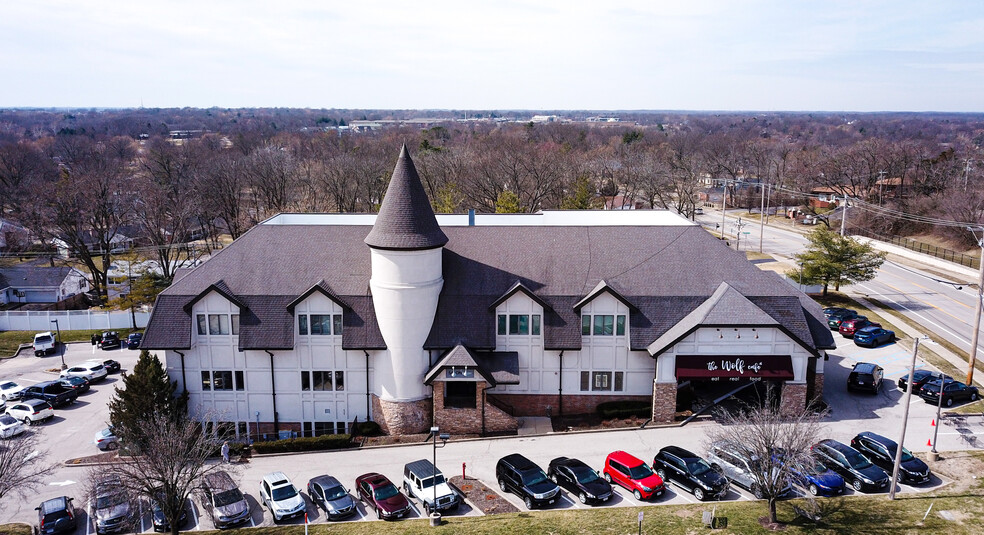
<point x="640" y="472"/>
<point x="583" y="474"/>
<point x="7" y="419"/>
<point x="857" y="461"/>
<point x="8" y="385"/>
<point x="533" y="477"/>
<point x="335" y="493"/>
<point x="285" y="492"/>
<point x="906" y="456"/>
<point x="109" y="500"/>
<point x="383" y="493"/>
<point x="430" y="481"/>
<point x="228" y="497"/>
<point x="819" y="467"/>
<point x="697" y="466"/>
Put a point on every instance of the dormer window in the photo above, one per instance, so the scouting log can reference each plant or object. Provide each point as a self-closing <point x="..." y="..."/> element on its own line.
<point x="603" y="325"/>
<point x="217" y="324"/>
<point x="518" y="324"/>
<point x="319" y="324"/>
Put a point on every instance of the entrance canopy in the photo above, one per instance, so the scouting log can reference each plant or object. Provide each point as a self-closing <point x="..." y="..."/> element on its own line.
<point x="734" y="367"/>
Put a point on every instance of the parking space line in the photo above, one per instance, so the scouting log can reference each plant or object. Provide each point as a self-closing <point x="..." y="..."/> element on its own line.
<point x="414" y="507"/>
<point x="568" y="500"/>
<point x="198" y="525"/>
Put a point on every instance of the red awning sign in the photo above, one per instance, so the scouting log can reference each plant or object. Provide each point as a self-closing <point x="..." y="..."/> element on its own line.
<point x="734" y="367"/>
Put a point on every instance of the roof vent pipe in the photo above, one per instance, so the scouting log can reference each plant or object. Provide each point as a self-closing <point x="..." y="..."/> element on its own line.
<point x="471" y="217"/>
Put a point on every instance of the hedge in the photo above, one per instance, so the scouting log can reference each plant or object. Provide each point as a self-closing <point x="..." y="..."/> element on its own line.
<point x="624" y="409"/>
<point x="324" y="442"/>
<point x="366" y="429"/>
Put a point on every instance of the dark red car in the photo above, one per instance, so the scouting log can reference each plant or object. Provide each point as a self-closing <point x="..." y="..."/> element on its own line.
<point x="381" y="495"/>
<point x="849" y="327"/>
<point x="633" y="474"/>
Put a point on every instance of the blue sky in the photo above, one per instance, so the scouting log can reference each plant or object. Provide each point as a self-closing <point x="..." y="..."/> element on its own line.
<point x="684" y="55"/>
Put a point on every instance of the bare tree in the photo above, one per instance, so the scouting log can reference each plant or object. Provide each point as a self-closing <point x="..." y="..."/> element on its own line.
<point x="775" y="441"/>
<point x="172" y="462"/>
<point x="23" y="465"/>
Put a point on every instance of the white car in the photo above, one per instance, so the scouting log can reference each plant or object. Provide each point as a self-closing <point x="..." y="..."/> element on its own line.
<point x="10" y="390"/>
<point x="93" y="371"/>
<point x="44" y="343"/>
<point x="10" y="427"/>
<point x="31" y="411"/>
<point x="280" y="496"/>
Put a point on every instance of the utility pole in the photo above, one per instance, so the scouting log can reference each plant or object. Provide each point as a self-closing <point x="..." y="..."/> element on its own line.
<point x="967" y="163"/>
<point x="979" y="304"/>
<point x="724" y="205"/>
<point x="761" y="216"/>
<point x="881" y="183"/>
<point x="844" y="216"/>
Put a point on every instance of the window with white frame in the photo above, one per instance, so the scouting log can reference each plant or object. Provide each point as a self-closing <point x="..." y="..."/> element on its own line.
<point x="319" y="324"/>
<point x="322" y="381"/>
<point x="518" y="324"/>
<point x="603" y="325"/>
<point x="602" y="381"/>
<point x="218" y="380"/>
<point x="217" y="324"/>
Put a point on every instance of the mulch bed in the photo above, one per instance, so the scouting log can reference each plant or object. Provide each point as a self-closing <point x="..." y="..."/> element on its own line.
<point x="583" y="422"/>
<point x="101" y="458"/>
<point x="485" y="499"/>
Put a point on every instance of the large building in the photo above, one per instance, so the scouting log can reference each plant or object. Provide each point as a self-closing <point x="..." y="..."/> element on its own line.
<point x="309" y="322"/>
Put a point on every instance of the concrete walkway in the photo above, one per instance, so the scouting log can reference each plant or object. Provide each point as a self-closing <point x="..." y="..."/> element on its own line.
<point x="534" y="425"/>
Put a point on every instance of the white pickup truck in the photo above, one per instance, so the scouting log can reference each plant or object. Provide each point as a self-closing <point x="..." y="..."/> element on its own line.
<point x="44" y="343"/>
<point x="419" y="479"/>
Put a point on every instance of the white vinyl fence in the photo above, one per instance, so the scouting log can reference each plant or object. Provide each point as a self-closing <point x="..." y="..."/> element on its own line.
<point x="70" y="320"/>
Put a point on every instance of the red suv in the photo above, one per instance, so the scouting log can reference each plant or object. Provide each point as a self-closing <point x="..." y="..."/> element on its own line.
<point x="633" y="474"/>
<point x="381" y="495"/>
<point x="849" y="327"/>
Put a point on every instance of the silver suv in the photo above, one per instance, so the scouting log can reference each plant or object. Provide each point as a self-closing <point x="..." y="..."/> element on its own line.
<point x="223" y="500"/>
<point x="111" y="506"/>
<point x="735" y="464"/>
<point x="280" y="496"/>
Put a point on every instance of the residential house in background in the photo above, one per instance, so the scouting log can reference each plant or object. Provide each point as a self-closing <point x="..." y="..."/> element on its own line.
<point x="36" y="284"/>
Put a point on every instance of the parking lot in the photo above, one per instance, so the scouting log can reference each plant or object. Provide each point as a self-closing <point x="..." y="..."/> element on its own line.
<point x="69" y="435"/>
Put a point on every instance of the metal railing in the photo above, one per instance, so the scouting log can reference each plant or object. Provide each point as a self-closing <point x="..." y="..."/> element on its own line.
<point x="950" y="255"/>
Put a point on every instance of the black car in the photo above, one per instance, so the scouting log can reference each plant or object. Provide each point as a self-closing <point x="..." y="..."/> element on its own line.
<point x="111" y="366"/>
<point x="690" y="472"/>
<point x="830" y="311"/>
<point x="579" y="479"/>
<point x="865" y="376"/>
<point x="56" y="515"/>
<point x="331" y="496"/>
<point x="79" y="384"/>
<point x="110" y="340"/>
<point x="872" y="336"/>
<point x="882" y="451"/>
<point x="919" y="378"/>
<point x="834" y="320"/>
<point x="157" y="514"/>
<point x="133" y="341"/>
<point x="854" y="467"/>
<point x="523" y="477"/>
<point x="952" y="391"/>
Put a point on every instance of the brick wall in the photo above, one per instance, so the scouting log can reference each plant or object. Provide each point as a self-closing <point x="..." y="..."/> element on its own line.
<point x="470" y="421"/>
<point x="816" y="393"/>
<point x="549" y="404"/>
<point x="664" y="402"/>
<point x="793" y="399"/>
<point x="402" y="418"/>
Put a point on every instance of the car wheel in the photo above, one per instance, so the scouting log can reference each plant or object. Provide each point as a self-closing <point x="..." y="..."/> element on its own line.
<point x="112" y="446"/>
<point x="379" y="515"/>
<point x="502" y="485"/>
<point x="661" y="473"/>
<point x="637" y="494"/>
<point x="814" y="490"/>
<point x="699" y="493"/>
<point x="948" y="402"/>
<point x="973" y="396"/>
<point x="427" y="509"/>
<point x="608" y="477"/>
<point x="27" y="421"/>
<point x="528" y="502"/>
<point x="582" y="497"/>
<point x="857" y="485"/>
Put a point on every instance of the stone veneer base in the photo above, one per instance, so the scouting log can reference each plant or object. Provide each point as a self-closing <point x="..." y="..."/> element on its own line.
<point x="402" y="417"/>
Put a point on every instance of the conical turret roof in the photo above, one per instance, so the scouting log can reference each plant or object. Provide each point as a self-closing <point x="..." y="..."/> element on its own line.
<point x="406" y="220"/>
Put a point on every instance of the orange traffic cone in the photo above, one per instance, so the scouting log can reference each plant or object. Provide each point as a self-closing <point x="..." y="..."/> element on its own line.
<point x="933" y="423"/>
<point x="929" y="443"/>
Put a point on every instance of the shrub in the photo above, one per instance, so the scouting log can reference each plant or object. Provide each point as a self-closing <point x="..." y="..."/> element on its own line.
<point x="324" y="442"/>
<point x="366" y="429"/>
<point x="624" y="409"/>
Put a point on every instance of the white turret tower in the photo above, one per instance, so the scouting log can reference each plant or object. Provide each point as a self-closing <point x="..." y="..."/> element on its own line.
<point x="406" y="246"/>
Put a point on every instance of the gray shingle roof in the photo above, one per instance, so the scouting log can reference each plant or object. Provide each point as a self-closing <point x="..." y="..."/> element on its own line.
<point x="496" y="367"/>
<point x="33" y="277"/>
<point x="406" y="220"/>
<point x="664" y="272"/>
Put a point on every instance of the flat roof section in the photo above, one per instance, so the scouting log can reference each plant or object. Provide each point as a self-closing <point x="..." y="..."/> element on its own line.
<point x="547" y="218"/>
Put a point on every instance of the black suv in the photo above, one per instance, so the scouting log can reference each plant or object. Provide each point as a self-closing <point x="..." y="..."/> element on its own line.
<point x="919" y="378"/>
<point x="523" y="477"/>
<point x="579" y="479"/>
<point x="56" y="515"/>
<point x="865" y="376"/>
<point x="110" y="340"/>
<point x="851" y="465"/>
<point x="690" y="472"/>
<point x="882" y="451"/>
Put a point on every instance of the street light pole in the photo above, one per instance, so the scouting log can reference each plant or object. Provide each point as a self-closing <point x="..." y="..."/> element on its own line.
<point x="435" y="515"/>
<point x="58" y="342"/>
<point x="939" y="407"/>
<point x="905" y="420"/>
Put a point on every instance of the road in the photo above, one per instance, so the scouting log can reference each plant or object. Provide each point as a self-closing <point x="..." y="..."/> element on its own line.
<point x="943" y="311"/>
<point x="70" y="434"/>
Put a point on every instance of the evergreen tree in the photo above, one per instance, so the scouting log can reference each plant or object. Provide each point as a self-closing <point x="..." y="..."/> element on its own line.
<point x="507" y="203"/>
<point x="834" y="259"/>
<point x="147" y="392"/>
<point x="582" y="197"/>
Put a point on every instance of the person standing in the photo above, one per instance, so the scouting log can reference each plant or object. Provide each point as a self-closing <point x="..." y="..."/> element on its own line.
<point x="225" y="452"/>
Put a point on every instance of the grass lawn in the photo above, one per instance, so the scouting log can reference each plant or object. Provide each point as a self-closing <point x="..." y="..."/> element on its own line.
<point x="9" y="340"/>
<point x="16" y="529"/>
